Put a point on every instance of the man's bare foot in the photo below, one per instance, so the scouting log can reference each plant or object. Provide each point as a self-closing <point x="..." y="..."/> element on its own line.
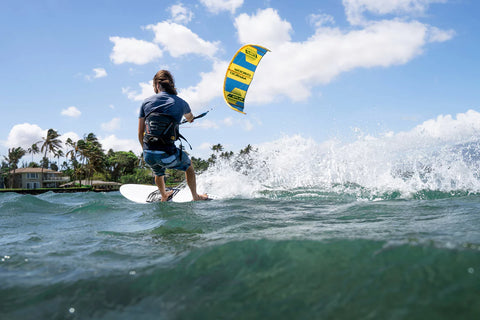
<point x="200" y="197"/>
<point x="167" y="195"/>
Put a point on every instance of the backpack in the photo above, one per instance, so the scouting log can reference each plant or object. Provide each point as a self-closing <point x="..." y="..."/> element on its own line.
<point x="161" y="130"/>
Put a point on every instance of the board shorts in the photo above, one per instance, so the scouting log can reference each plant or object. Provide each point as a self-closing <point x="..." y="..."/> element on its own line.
<point x="159" y="161"/>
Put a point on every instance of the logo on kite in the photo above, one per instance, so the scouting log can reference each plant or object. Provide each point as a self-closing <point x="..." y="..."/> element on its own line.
<point x="240" y="74"/>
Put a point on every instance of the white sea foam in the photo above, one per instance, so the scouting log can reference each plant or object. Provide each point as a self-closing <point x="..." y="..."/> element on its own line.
<point x="441" y="154"/>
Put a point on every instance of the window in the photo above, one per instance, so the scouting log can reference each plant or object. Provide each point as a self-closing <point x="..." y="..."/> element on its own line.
<point x="32" y="175"/>
<point x="33" y="185"/>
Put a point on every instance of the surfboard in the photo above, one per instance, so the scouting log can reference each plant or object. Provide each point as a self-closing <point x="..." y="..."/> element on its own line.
<point x="142" y="193"/>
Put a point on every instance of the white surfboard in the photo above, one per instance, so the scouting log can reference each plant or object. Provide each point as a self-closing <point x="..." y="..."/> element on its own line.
<point x="142" y="193"/>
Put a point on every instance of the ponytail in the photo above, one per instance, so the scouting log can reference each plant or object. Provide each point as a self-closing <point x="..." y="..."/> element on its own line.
<point x="165" y="79"/>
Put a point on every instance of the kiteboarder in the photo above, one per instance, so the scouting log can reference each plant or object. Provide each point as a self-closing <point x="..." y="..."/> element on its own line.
<point x="158" y="122"/>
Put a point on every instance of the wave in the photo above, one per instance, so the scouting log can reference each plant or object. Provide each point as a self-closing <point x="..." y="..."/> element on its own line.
<point x="341" y="279"/>
<point x="437" y="158"/>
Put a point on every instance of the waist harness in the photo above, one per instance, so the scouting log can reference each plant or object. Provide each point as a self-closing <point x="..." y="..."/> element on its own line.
<point x="161" y="130"/>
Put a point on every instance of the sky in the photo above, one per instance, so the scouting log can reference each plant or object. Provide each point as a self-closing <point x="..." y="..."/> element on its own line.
<point x="336" y="69"/>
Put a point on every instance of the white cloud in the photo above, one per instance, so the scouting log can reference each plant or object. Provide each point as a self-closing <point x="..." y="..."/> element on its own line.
<point x="112" y="125"/>
<point x="146" y="91"/>
<point x="99" y="73"/>
<point x="131" y="50"/>
<point x="72" y="135"/>
<point x="437" y="35"/>
<point x="328" y="53"/>
<point x="24" y="135"/>
<point x="355" y="9"/>
<point x="216" y="6"/>
<point x="209" y="87"/>
<point x="320" y="19"/>
<point x="178" y="40"/>
<point x="112" y="142"/>
<point x="71" y="112"/>
<point x="265" y="28"/>
<point x="446" y="128"/>
<point x="180" y="14"/>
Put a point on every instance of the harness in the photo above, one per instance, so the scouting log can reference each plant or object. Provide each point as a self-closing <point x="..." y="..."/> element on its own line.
<point x="162" y="130"/>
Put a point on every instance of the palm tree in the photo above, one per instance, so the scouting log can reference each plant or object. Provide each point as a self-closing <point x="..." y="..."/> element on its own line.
<point x="33" y="150"/>
<point x="91" y="153"/>
<point x="217" y="148"/>
<point x="51" y="144"/>
<point x="247" y="150"/>
<point x="58" y="154"/>
<point x="73" y="153"/>
<point x="14" y="156"/>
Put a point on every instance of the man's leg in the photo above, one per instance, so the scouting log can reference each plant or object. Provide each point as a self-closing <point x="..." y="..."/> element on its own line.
<point x="192" y="184"/>
<point x="160" y="182"/>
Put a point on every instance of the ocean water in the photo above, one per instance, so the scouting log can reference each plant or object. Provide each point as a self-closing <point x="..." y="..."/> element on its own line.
<point x="382" y="227"/>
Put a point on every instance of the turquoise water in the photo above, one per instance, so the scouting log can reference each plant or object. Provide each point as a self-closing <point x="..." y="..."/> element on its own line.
<point x="276" y="244"/>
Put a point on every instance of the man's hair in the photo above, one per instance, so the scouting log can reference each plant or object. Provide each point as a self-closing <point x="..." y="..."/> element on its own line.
<point x="165" y="78"/>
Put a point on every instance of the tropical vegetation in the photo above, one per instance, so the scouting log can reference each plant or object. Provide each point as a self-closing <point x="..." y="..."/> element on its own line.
<point x="86" y="160"/>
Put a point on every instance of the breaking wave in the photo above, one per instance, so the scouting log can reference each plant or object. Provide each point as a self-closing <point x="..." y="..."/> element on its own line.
<point x="440" y="155"/>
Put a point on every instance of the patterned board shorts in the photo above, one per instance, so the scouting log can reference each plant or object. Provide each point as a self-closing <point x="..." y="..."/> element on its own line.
<point x="158" y="161"/>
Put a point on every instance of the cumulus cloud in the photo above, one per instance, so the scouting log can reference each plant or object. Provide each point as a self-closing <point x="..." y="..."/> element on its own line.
<point x="327" y="53"/>
<point x="146" y="90"/>
<point x="301" y="65"/>
<point x="112" y="125"/>
<point x="72" y="135"/>
<point x="266" y="27"/>
<point x="438" y="35"/>
<point x="355" y="9"/>
<point x="209" y="87"/>
<point x="131" y="50"/>
<point x="216" y="6"/>
<point x="24" y="135"/>
<point x="447" y="128"/>
<point x="180" y="14"/>
<point x="117" y="144"/>
<point x="179" y="40"/>
<point x="71" y="112"/>
<point x="318" y="20"/>
<point x="97" y="73"/>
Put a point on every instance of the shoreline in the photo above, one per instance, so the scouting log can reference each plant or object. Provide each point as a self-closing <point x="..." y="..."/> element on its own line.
<point x="57" y="190"/>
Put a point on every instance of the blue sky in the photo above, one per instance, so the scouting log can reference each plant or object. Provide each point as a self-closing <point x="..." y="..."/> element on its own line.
<point x="336" y="68"/>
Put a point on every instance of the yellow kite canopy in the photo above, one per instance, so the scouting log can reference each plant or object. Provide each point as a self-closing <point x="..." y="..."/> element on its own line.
<point x="240" y="74"/>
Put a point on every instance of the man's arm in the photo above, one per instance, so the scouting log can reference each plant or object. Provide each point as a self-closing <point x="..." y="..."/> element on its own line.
<point x="141" y="130"/>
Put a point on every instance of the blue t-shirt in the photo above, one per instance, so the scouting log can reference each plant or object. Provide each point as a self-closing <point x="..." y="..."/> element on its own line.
<point x="165" y="103"/>
<point x="168" y="104"/>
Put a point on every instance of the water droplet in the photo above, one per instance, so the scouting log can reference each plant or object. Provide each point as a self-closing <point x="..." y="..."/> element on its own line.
<point x="132" y="273"/>
<point x="471" y="270"/>
<point x="71" y="310"/>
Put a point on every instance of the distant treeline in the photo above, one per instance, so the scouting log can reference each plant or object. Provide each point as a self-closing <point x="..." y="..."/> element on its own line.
<point x="86" y="160"/>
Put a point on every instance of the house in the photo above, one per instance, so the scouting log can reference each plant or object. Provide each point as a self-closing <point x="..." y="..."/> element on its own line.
<point x="31" y="178"/>
<point x="97" y="185"/>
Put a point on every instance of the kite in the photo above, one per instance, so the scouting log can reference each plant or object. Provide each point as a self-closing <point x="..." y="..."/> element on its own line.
<point x="240" y="74"/>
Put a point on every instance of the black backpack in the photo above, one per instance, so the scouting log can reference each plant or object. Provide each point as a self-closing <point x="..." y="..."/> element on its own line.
<point x="161" y="130"/>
